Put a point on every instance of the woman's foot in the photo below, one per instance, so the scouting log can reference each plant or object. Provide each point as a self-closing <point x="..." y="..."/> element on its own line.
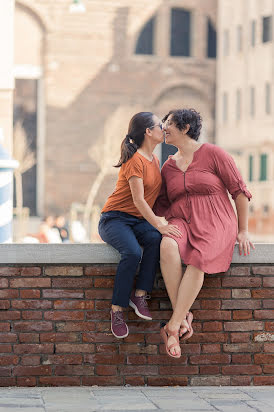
<point x="119" y="327"/>
<point x="186" y="330"/>
<point x="138" y="302"/>
<point x="171" y="340"/>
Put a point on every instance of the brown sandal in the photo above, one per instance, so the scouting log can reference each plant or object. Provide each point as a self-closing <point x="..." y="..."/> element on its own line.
<point x="188" y="333"/>
<point x="165" y="333"/>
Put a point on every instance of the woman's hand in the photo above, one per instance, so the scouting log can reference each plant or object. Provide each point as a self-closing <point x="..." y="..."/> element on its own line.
<point x="167" y="229"/>
<point x="244" y="242"/>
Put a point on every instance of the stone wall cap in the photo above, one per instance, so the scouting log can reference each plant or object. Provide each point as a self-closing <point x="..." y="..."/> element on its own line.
<point x="100" y="253"/>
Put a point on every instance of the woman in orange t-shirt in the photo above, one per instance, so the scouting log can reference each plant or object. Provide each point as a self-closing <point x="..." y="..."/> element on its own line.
<point x="128" y="222"/>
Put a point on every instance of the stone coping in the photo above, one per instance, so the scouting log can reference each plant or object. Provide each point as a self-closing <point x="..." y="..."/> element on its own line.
<point x="100" y="253"/>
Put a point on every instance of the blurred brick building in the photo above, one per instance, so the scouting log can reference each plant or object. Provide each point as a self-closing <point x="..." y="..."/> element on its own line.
<point x="80" y="76"/>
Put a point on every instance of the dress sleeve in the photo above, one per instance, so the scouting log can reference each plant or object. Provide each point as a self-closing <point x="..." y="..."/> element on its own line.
<point x="228" y="172"/>
<point x="133" y="167"/>
<point x="162" y="203"/>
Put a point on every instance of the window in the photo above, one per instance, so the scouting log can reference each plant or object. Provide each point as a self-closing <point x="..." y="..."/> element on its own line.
<point x="263" y="167"/>
<point x="145" y="40"/>
<point x="225" y="107"/>
<point x="253" y="33"/>
<point x="211" y="40"/>
<point x="252" y="101"/>
<point x="238" y="104"/>
<point x="267" y="29"/>
<point x="226" y="43"/>
<point x="180" y="32"/>
<point x="250" y="168"/>
<point x="239" y="38"/>
<point x="268" y="98"/>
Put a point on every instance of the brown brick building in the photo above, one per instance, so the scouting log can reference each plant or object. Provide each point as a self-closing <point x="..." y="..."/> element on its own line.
<point x="80" y="76"/>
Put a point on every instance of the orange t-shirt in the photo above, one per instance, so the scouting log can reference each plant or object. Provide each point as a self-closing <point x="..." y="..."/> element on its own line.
<point x="121" y="199"/>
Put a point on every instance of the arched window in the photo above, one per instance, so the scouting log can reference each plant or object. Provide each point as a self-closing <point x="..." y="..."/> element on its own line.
<point x="146" y="38"/>
<point x="211" y="40"/>
<point x="180" y="42"/>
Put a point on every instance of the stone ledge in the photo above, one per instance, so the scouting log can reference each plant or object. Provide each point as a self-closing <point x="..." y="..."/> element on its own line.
<point x="100" y="253"/>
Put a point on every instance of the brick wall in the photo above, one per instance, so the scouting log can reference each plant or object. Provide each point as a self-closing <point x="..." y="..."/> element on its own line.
<point x="54" y="330"/>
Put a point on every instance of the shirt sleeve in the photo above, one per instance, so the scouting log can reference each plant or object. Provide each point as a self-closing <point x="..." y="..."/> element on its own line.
<point x="228" y="172"/>
<point x="134" y="167"/>
<point x="162" y="203"/>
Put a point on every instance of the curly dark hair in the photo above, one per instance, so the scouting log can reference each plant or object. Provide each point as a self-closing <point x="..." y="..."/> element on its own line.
<point x="182" y="117"/>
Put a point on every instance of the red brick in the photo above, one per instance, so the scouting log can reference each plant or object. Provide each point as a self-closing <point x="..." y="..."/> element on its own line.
<point x="29" y="338"/>
<point x="72" y="283"/>
<point x="78" y="370"/>
<point x="10" y="315"/>
<point x="8" y="294"/>
<point x="243" y="326"/>
<point x="103" y="282"/>
<point x="64" y="271"/>
<point x="4" y="327"/>
<point x="240" y="380"/>
<point x="212" y="326"/>
<point x="167" y="380"/>
<point x="5" y="371"/>
<point x="75" y="326"/>
<point x="191" y="348"/>
<point x="104" y="348"/>
<point x="63" y="359"/>
<point x="212" y="282"/>
<point x="8" y="360"/>
<point x="209" y="337"/>
<point x="4" y="283"/>
<point x="26" y="381"/>
<point x="33" y="348"/>
<point x="98" y="294"/>
<point x="59" y="337"/>
<point x="211" y="348"/>
<point x="30" y="282"/>
<point x="31" y="314"/>
<point x="178" y="370"/>
<point x="30" y="293"/>
<point x="30" y="360"/>
<point x="59" y="381"/>
<point x="100" y="270"/>
<point x="6" y="381"/>
<point x="5" y="348"/>
<point x="215" y="293"/>
<point x="209" y="359"/>
<point x="25" y="326"/>
<point x="241" y="370"/>
<point x="163" y="359"/>
<point x="153" y="338"/>
<point x="8" y="337"/>
<point x="102" y="304"/>
<point x="63" y="293"/>
<point x="32" y="304"/>
<point x="138" y="338"/>
<point x="74" y="348"/>
<point x="268" y="369"/>
<point x="260" y="358"/>
<point x="264" y="314"/>
<point x="136" y="360"/>
<point x="102" y="380"/>
<point x="209" y="370"/>
<point x="269" y="347"/>
<point x="4" y="304"/>
<point x="135" y="380"/>
<point x="32" y="370"/>
<point x="262" y="293"/>
<point x="241" y="304"/>
<point x="268" y="282"/>
<point x="269" y="326"/>
<point x="10" y="271"/>
<point x="242" y="314"/>
<point x="138" y="370"/>
<point x="245" y="282"/>
<point x="263" y="270"/>
<point x="104" y="359"/>
<point x="263" y="380"/>
<point x="239" y="271"/>
<point x="106" y="370"/>
<point x="103" y="326"/>
<point x="64" y="315"/>
<point x="268" y="304"/>
<point x="31" y="271"/>
<point x="74" y="304"/>
<point x="241" y="293"/>
<point x="240" y="337"/>
<point x="98" y="315"/>
<point x="210" y="304"/>
<point x="242" y="347"/>
<point x="242" y="358"/>
<point x="212" y="314"/>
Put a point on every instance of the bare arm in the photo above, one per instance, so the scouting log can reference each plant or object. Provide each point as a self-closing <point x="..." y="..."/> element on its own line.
<point x="137" y="191"/>
<point x="241" y="203"/>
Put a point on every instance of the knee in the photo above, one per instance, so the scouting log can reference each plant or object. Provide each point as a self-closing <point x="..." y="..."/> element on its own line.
<point x="168" y="249"/>
<point x="133" y="254"/>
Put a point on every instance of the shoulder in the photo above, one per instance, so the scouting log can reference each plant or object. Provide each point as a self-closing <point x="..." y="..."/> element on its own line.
<point x="135" y="160"/>
<point x="215" y="151"/>
<point x="169" y="162"/>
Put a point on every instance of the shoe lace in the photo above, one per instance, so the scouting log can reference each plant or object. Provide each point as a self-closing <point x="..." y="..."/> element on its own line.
<point x="118" y="318"/>
<point x="143" y="300"/>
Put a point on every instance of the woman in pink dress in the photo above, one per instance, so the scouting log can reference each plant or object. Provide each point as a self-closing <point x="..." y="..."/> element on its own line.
<point x="194" y="197"/>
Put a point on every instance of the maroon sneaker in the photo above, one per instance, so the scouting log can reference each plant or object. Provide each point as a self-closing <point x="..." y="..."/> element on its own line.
<point x="139" y="304"/>
<point x="118" y="325"/>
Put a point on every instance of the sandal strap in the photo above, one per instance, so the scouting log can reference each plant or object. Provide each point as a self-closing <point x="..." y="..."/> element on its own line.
<point x="171" y="332"/>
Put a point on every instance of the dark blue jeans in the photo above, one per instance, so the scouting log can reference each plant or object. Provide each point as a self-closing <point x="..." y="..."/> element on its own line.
<point x="127" y="234"/>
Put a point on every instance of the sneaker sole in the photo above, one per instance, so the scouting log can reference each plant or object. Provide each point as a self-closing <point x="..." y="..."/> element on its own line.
<point x="137" y="311"/>
<point x="119" y="337"/>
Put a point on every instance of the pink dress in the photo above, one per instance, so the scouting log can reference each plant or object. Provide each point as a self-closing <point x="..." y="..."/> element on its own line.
<point x="197" y="202"/>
